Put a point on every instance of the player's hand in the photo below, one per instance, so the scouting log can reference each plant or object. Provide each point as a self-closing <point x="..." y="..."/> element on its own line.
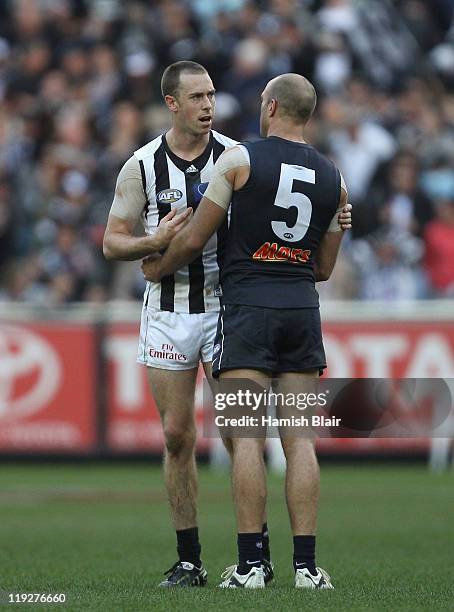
<point x="151" y="267"/>
<point x="169" y="225"/>
<point x="345" y="217"/>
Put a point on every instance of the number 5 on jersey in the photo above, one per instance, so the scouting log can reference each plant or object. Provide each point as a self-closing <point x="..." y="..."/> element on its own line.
<point x="290" y="194"/>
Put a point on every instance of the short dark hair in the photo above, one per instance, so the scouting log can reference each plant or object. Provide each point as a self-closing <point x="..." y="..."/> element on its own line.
<point x="295" y="101"/>
<point x="171" y="78"/>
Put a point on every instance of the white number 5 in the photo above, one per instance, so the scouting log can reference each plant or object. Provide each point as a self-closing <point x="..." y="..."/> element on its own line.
<point x="289" y="194"/>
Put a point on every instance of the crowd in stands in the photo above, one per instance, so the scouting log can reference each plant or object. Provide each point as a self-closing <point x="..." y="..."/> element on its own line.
<point x="80" y="91"/>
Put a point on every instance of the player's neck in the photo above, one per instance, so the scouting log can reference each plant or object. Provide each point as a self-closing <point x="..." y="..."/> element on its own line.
<point x="287" y="132"/>
<point x="185" y="145"/>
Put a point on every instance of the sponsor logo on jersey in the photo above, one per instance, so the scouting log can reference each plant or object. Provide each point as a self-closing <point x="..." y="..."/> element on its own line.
<point x="217" y="292"/>
<point x="167" y="351"/>
<point x="271" y="251"/>
<point x="169" y="196"/>
<point x="191" y="170"/>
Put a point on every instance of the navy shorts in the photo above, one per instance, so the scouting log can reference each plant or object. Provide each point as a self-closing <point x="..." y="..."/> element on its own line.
<point x="269" y="339"/>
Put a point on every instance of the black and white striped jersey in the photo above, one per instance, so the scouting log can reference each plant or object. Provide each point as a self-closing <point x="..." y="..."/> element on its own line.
<point x="171" y="182"/>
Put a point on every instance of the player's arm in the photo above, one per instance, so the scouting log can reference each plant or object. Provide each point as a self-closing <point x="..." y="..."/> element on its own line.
<point x="187" y="244"/>
<point x="129" y="201"/>
<point x="328" y="250"/>
<point x="229" y="173"/>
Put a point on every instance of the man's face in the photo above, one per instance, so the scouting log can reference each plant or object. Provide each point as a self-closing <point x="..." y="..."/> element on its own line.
<point x="195" y="103"/>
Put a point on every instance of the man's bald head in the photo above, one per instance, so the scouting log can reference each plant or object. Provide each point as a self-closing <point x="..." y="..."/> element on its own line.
<point x="295" y="97"/>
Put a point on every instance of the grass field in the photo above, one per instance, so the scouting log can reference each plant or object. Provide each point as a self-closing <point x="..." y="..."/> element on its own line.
<point x="101" y="535"/>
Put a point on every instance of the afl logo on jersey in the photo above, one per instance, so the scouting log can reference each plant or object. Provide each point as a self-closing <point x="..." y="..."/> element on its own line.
<point x="288" y="235"/>
<point x="169" y="196"/>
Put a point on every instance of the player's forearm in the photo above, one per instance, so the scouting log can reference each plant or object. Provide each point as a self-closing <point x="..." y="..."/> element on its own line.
<point x="181" y="251"/>
<point x="326" y="256"/>
<point x="189" y="242"/>
<point x="128" y="248"/>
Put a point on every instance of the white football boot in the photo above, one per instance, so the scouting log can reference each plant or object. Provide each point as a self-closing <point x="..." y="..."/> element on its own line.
<point x="255" y="579"/>
<point x="305" y="580"/>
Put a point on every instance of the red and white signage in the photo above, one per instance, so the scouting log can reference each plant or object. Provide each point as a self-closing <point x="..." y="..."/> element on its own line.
<point x="49" y="382"/>
<point x="393" y="349"/>
<point x="368" y="349"/>
<point x="377" y="349"/>
<point x="47" y="394"/>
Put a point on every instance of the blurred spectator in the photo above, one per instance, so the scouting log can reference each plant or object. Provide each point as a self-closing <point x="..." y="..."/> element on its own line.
<point x="22" y="282"/>
<point x="417" y="18"/>
<point x="247" y="79"/>
<point x="69" y="264"/>
<point x="6" y="222"/>
<point x="386" y="264"/>
<point x="333" y="63"/>
<point x="397" y="199"/>
<point x="105" y="82"/>
<point x="338" y="16"/>
<point x="358" y="147"/>
<point x="437" y="180"/>
<point x="439" y="255"/>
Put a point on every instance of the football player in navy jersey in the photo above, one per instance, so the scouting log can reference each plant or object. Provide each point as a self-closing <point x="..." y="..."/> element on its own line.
<point x="285" y="199"/>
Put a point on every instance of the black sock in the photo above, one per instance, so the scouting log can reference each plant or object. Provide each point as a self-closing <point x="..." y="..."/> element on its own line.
<point x="249" y="551"/>
<point x="304" y="553"/>
<point x="266" y="542"/>
<point x="188" y="545"/>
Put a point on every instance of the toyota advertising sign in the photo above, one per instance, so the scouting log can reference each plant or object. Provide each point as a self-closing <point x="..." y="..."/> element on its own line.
<point x="391" y="349"/>
<point x="375" y="349"/>
<point x="47" y="394"/>
<point x="50" y="384"/>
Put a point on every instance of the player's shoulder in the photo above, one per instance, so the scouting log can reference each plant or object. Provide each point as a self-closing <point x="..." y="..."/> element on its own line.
<point x="149" y="149"/>
<point x="255" y="141"/>
<point x="328" y="166"/>
<point x="259" y="147"/>
<point x="226" y="141"/>
<point x="130" y="170"/>
<point x="319" y="155"/>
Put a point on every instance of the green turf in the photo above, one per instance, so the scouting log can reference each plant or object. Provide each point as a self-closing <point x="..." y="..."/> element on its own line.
<point x="101" y="534"/>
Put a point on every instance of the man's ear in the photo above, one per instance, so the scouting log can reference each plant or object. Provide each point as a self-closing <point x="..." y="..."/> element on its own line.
<point x="272" y="107"/>
<point x="171" y="103"/>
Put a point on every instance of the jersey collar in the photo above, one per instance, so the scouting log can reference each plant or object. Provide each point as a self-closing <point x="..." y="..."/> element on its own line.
<point x="183" y="164"/>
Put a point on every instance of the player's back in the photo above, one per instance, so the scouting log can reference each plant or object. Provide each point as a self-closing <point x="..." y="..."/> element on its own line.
<point x="277" y="222"/>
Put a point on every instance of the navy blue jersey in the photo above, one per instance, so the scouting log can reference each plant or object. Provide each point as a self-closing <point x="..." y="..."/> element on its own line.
<point x="277" y="222"/>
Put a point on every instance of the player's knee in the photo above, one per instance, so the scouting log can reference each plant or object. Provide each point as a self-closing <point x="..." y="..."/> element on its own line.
<point x="247" y="447"/>
<point x="179" y="439"/>
<point x="295" y="447"/>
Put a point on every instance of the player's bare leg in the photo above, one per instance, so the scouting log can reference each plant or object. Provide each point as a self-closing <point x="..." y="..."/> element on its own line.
<point x="228" y="443"/>
<point x="268" y="565"/>
<point x="302" y="486"/>
<point x="249" y="498"/>
<point x="248" y="484"/>
<point x="248" y="467"/>
<point x="302" y="483"/>
<point x="173" y="392"/>
<point x="207" y="368"/>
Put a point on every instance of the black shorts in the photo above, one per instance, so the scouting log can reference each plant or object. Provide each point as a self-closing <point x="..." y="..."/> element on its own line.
<point x="270" y="339"/>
